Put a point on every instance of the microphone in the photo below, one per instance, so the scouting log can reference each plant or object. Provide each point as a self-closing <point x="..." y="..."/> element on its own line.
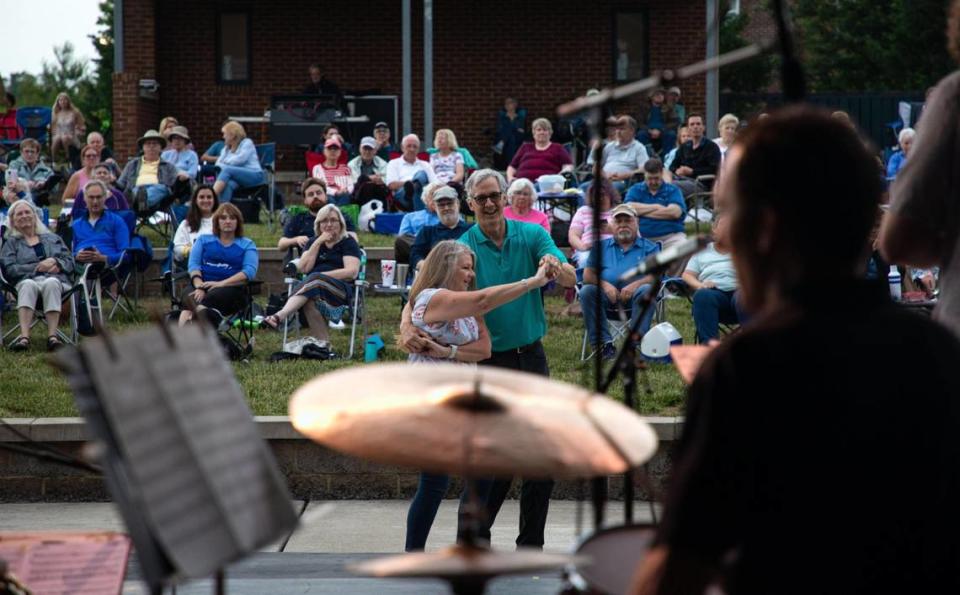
<point x="791" y="72"/>
<point x="663" y="259"/>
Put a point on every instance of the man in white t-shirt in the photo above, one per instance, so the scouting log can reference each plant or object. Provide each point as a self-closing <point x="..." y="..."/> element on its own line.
<point x="407" y="175"/>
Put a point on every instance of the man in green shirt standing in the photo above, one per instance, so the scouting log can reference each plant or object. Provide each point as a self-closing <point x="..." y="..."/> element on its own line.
<point x="506" y="252"/>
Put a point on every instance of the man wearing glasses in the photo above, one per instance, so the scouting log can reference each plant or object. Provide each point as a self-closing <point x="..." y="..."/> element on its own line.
<point x="506" y="252"/>
<point x="624" y="158"/>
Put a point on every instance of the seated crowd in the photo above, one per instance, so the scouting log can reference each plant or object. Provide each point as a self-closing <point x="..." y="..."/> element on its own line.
<point x="642" y="203"/>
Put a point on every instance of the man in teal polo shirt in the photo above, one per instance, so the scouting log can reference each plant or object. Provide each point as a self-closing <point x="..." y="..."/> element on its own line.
<point x="508" y="251"/>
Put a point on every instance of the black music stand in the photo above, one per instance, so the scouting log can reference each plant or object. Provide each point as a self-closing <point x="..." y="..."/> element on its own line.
<point x="195" y="484"/>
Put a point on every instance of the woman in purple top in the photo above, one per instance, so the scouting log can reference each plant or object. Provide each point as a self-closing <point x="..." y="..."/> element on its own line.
<point x="541" y="157"/>
<point x="115" y="202"/>
<point x="520" y="195"/>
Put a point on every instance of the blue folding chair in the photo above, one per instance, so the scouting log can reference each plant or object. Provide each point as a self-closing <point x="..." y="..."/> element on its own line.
<point x="35" y="122"/>
<point x="133" y="261"/>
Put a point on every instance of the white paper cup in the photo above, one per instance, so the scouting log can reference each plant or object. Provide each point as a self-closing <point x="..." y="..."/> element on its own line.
<point x="388" y="269"/>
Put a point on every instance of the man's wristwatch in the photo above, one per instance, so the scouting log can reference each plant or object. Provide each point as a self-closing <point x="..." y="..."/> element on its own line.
<point x="453" y="352"/>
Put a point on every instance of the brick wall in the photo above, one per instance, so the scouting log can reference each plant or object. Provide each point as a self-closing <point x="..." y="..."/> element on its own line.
<point x="133" y="115"/>
<point x="540" y="51"/>
<point x="310" y="470"/>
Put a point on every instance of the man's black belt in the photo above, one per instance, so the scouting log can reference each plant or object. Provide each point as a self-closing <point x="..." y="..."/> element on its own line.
<point x="521" y="349"/>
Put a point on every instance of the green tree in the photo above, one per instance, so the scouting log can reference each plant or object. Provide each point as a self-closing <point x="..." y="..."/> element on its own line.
<point x="101" y="91"/>
<point x="750" y="76"/>
<point x="91" y="91"/>
<point x="871" y="45"/>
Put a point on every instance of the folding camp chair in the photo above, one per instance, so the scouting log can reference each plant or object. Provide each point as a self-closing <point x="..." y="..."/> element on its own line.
<point x="356" y="304"/>
<point x="160" y="217"/>
<point x="9" y="290"/>
<point x="35" y="122"/>
<point x="174" y="270"/>
<point x="134" y="260"/>
<point x="619" y="324"/>
<point x="675" y="287"/>
<point x="236" y="331"/>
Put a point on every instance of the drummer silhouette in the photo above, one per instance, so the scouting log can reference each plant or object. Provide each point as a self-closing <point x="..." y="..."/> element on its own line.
<point x="797" y="426"/>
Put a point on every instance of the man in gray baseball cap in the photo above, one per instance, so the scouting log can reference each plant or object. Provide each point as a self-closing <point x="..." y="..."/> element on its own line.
<point x="369" y="172"/>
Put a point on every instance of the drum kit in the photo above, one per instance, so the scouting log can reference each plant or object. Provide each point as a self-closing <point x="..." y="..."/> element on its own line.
<point x="483" y="422"/>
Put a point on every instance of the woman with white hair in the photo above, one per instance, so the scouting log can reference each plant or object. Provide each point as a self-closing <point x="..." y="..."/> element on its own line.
<point x="447" y="162"/>
<point x="905" y="138"/>
<point x="520" y="195"/>
<point x="37" y="263"/>
<point x="727" y="127"/>
<point x="331" y="260"/>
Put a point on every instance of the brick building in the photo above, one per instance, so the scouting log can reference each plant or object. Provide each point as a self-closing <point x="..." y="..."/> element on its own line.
<point x="540" y="51"/>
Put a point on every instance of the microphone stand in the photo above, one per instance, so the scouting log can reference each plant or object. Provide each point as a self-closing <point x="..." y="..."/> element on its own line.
<point x="593" y="120"/>
<point x="626" y="361"/>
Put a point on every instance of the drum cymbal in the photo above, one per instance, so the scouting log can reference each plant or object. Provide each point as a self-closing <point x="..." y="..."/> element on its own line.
<point x="480" y="421"/>
<point x="463" y="561"/>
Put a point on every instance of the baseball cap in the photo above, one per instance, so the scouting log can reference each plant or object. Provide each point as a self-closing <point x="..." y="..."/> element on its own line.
<point x="332" y="142"/>
<point x="445" y="192"/>
<point x="623" y="209"/>
<point x="381" y="125"/>
<point x="368" y="141"/>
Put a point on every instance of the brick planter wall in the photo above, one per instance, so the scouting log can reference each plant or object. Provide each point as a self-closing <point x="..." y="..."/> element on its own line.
<point x="312" y="471"/>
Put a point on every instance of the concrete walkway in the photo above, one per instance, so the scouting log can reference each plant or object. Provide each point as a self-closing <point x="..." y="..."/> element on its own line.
<point x="332" y="535"/>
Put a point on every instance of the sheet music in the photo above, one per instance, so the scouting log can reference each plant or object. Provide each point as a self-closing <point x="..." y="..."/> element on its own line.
<point x="209" y="486"/>
<point x="67" y="563"/>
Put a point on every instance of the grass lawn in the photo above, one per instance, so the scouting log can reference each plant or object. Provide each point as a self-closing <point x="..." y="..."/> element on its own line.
<point x="32" y="388"/>
<point x="29" y="387"/>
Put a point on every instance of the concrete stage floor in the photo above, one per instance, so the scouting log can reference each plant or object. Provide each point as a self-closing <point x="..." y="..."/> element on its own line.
<point x="333" y="534"/>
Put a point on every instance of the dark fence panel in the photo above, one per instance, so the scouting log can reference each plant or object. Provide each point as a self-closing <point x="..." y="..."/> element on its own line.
<point x="872" y="112"/>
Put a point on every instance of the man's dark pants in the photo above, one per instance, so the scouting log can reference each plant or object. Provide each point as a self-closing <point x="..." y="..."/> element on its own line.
<point x="534" y="494"/>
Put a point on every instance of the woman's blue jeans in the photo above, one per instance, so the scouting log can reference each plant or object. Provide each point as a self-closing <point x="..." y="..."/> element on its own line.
<point x="237" y="177"/>
<point x="423" y="509"/>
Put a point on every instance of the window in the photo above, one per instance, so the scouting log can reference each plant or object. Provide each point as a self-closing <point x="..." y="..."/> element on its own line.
<point x="734" y="8"/>
<point x="630" y="56"/>
<point x="233" y="47"/>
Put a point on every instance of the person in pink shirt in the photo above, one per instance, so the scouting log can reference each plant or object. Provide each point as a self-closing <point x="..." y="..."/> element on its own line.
<point x="580" y="235"/>
<point x="335" y="173"/>
<point x="520" y="196"/>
